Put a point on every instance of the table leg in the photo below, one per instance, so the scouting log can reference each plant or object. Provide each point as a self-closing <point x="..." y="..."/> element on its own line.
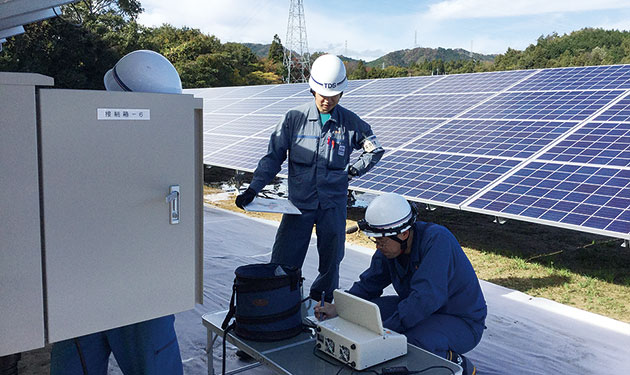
<point x="211" y="338"/>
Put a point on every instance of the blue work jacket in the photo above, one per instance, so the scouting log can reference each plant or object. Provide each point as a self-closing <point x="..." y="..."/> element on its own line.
<point x="438" y="279"/>
<point x="319" y="155"/>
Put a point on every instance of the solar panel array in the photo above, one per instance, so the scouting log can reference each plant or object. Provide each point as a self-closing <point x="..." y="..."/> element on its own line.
<point x="550" y="146"/>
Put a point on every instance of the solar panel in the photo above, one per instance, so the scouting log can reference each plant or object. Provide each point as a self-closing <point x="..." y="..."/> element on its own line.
<point x="477" y="82"/>
<point x="597" y="198"/>
<point x="394" y="132"/>
<point x="212" y="120"/>
<point x="217" y="105"/>
<point x="617" y="112"/>
<point x="544" y="105"/>
<point x="356" y="84"/>
<point x="248" y="125"/>
<point x="247" y="106"/>
<point x="504" y="138"/>
<point x="578" y="78"/>
<point x="212" y="144"/>
<point x="211" y="93"/>
<point x="242" y="92"/>
<point x="394" y="86"/>
<point x="550" y="145"/>
<point x="242" y="153"/>
<point x="284" y="91"/>
<point x="280" y="107"/>
<point x="601" y="143"/>
<point x="446" y="180"/>
<point x="431" y="106"/>
<point x="363" y="105"/>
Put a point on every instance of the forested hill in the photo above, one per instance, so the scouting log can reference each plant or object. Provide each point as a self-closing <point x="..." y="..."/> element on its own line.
<point x="579" y="48"/>
<point x="406" y="57"/>
<point x="403" y="58"/>
<point x="260" y="50"/>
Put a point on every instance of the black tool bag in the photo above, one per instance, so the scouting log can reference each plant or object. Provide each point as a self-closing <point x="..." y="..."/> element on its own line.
<point x="266" y="302"/>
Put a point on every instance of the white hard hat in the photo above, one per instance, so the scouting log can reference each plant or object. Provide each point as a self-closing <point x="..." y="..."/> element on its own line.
<point x="143" y="71"/>
<point x="328" y="76"/>
<point x="387" y="215"/>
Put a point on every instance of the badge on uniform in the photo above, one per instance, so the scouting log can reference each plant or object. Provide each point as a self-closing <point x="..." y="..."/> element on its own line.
<point x="342" y="150"/>
<point x="370" y="144"/>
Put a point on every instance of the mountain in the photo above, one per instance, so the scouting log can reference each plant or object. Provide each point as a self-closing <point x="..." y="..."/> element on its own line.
<point x="406" y="57"/>
<point x="403" y="58"/>
<point x="260" y="50"/>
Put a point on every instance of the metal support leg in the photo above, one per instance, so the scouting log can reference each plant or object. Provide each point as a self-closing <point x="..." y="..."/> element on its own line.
<point x="211" y="338"/>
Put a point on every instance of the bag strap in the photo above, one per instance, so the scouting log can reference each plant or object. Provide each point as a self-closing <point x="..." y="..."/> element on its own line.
<point x="227" y="328"/>
<point x="232" y="309"/>
<point x="225" y="333"/>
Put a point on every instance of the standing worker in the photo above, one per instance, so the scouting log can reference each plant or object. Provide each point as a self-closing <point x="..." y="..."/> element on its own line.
<point x="144" y="348"/>
<point x="439" y="304"/>
<point x="319" y="137"/>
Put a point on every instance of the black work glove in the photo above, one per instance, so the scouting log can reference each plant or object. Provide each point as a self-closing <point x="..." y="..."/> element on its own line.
<point x="352" y="172"/>
<point x="245" y="198"/>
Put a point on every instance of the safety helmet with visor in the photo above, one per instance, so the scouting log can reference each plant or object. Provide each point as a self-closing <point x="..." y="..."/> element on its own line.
<point x="328" y="76"/>
<point x="388" y="215"/>
<point x="143" y="71"/>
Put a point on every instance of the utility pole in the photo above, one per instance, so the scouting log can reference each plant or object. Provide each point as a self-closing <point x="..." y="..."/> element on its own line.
<point x="296" y="56"/>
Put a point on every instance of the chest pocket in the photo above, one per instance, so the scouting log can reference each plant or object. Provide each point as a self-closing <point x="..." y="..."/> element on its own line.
<point x="303" y="149"/>
<point x="338" y="151"/>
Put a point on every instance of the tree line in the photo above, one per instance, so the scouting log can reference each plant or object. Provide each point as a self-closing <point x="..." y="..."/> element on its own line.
<point x="78" y="48"/>
<point x="585" y="47"/>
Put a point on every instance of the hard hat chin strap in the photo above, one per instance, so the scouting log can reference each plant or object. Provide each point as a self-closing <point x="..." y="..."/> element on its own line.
<point x="403" y="243"/>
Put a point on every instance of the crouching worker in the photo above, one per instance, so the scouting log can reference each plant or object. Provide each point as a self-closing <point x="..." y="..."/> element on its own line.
<point x="440" y="306"/>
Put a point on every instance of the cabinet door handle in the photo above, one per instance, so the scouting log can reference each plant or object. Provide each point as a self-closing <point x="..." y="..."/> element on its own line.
<point x="173" y="204"/>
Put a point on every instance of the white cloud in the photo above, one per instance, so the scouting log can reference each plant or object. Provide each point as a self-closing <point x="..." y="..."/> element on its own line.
<point x="458" y="9"/>
<point x="614" y="25"/>
<point x="378" y="29"/>
<point x="254" y="21"/>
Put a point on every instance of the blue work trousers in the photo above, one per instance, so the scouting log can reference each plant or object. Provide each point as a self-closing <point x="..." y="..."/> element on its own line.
<point x="293" y="238"/>
<point x="436" y="334"/>
<point x="145" y="348"/>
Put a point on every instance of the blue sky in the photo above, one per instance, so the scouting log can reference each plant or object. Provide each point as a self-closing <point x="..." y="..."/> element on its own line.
<point x="368" y="29"/>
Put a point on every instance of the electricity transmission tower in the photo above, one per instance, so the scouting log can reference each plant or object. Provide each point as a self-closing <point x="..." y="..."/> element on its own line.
<point x="296" y="56"/>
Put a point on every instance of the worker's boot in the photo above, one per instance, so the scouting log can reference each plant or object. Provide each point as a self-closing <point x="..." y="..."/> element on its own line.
<point x="465" y="363"/>
<point x="244" y="356"/>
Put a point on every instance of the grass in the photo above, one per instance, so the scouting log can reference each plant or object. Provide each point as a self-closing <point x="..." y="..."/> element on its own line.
<point x="578" y="269"/>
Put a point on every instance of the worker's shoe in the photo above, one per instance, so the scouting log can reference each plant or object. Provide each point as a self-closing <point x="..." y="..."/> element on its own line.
<point x="244" y="356"/>
<point x="465" y="363"/>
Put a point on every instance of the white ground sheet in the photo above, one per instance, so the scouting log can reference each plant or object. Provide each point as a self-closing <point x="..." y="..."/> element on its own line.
<point x="524" y="335"/>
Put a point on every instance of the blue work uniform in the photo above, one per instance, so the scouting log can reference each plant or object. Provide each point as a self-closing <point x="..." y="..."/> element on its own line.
<point x="146" y="348"/>
<point x="440" y="305"/>
<point x="319" y="159"/>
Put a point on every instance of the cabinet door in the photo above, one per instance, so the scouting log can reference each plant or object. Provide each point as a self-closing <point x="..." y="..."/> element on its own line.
<point x="21" y="300"/>
<point x="112" y="256"/>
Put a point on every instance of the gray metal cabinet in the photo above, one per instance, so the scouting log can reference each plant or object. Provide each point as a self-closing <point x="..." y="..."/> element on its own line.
<point x="21" y="290"/>
<point x="113" y="250"/>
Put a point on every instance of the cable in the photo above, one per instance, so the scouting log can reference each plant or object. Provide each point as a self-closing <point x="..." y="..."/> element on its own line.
<point x="402" y="370"/>
<point x="397" y="370"/>
<point x="81" y="358"/>
<point x="325" y="358"/>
